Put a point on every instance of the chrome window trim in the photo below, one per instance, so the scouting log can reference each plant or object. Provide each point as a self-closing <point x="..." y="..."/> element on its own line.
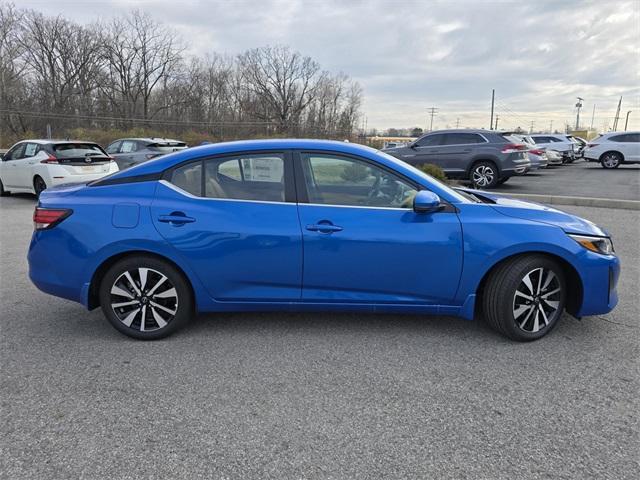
<point x="195" y="197"/>
<point x="190" y="195"/>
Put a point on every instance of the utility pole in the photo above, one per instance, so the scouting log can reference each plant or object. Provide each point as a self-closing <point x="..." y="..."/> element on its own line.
<point x="578" y="106"/>
<point x="551" y="126"/>
<point x="593" y="114"/>
<point x="626" y="122"/>
<point x="458" y="122"/>
<point x="617" y="117"/>
<point x="497" y="118"/>
<point x="433" y="111"/>
<point x="531" y="127"/>
<point x="493" y="99"/>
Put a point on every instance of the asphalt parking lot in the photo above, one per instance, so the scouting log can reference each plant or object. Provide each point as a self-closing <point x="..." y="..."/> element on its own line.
<point x="579" y="179"/>
<point x="314" y="395"/>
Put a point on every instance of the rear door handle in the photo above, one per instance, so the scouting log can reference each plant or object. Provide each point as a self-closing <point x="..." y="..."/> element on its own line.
<point x="323" y="228"/>
<point x="176" y="218"/>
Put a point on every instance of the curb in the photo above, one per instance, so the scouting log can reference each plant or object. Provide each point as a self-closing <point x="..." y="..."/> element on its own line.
<point x="577" y="201"/>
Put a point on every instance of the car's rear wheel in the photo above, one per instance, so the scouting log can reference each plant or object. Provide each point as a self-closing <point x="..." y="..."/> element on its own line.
<point x="39" y="185"/>
<point x="524" y="297"/>
<point x="3" y="192"/>
<point x="484" y="175"/>
<point x="611" y="160"/>
<point x="145" y="298"/>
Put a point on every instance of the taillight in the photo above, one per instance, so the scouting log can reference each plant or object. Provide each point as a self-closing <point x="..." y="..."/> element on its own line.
<point x="537" y="151"/>
<point x="44" y="218"/>
<point x="50" y="159"/>
<point x="513" y="147"/>
<point x="591" y="145"/>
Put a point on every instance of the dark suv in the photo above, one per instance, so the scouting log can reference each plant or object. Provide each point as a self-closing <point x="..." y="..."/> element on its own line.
<point x="485" y="157"/>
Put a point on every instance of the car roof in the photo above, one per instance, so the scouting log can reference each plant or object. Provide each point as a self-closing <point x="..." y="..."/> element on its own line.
<point x="465" y="130"/>
<point x="44" y="141"/>
<point x="608" y="134"/>
<point x="149" y="139"/>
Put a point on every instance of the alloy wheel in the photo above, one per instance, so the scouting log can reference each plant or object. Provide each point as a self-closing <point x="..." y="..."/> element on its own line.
<point x="537" y="300"/>
<point x="483" y="175"/>
<point x="610" y="160"/>
<point x="144" y="299"/>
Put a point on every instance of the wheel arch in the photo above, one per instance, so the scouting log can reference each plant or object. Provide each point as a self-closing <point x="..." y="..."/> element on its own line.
<point x="574" y="282"/>
<point x="484" y="158"/>
<point x="611" y="151"/>
<point x="93" y="300"/>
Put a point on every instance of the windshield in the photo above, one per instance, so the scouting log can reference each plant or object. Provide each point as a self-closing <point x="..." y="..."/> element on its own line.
<point x="78" y="150"/>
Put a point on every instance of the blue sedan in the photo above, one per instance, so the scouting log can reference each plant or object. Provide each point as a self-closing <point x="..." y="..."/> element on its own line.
<point x="312" y="225"/>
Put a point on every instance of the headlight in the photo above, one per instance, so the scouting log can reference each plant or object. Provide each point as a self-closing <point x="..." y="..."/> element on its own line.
<point x="601" y="245"/>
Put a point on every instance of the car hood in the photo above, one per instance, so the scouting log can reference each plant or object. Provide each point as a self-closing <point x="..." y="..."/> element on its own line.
<point x="538" y="212"/>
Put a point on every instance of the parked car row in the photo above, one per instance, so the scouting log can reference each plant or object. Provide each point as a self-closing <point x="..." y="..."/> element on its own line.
<point x="31" y="166"/>
<point x="488" y="158"/>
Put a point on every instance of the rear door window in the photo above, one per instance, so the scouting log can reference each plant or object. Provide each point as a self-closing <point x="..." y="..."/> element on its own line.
<point x="31" y="150"/>
<point x="128" y="146"/>
<point x="462" y="139"/>
<point x="188" y="178"/>
<point x="627" y="137"/>
<point x="258" y="177"/>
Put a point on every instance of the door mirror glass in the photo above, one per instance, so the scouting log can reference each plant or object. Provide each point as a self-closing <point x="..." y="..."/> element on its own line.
<point x="426" y="202"/>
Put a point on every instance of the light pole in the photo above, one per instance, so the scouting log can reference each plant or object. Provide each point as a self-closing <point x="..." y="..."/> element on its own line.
<point x="626" y="122"/>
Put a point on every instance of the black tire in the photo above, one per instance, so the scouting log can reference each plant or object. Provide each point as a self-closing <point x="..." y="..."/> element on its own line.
<point x="148" y="298"/>
<point x="39" y="185"/>
<point x="484" y="174"/>
<point x="611" y="160"/>
<point x="3" y="192"/>
<point x="501" y="302"/>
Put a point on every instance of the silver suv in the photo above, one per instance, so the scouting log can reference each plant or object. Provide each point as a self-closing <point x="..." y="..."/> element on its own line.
<point x="486" y="157"/>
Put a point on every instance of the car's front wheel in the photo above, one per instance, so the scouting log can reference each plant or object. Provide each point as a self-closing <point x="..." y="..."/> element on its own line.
<point x="145" y="298"/>
<point x="524" y="297"/>
<point x="611" y="160"/>
<point x="484" y="175"/>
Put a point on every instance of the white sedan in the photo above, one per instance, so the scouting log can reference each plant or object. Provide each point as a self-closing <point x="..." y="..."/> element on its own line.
<point x="31" y="166"/>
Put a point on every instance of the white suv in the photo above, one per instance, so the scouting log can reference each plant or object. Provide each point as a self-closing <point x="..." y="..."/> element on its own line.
<point x="613" y="149"/>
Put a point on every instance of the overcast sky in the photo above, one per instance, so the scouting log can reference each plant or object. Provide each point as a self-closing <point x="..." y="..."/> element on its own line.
<point x="412" y="55"/>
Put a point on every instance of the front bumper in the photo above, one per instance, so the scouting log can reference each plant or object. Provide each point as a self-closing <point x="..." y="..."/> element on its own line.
<point x="599" y="274"/>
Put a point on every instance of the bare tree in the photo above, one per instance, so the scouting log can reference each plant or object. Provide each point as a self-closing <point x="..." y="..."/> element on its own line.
<point x="140" y="54"/>
<point x="12" y="67"/>
<point x="281" y="83"/>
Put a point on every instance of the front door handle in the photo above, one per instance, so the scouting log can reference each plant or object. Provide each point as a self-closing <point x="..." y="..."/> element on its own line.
<point x="176" y="218"/>
<point x="324" y="228"/>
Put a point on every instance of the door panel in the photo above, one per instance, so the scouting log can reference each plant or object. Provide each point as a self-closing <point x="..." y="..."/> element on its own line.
<point x="243" y="246"/>
<point x="362" y="241"/>
<point x="380" y="255"/>
<point x="240" y="250"/>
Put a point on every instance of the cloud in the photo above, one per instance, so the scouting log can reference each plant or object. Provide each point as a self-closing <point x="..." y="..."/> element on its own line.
<point x="411" y="55"/>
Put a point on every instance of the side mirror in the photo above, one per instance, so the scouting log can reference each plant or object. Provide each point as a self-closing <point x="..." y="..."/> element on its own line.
<point x="426" y="202"/>
<point x="413" y="145"/>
